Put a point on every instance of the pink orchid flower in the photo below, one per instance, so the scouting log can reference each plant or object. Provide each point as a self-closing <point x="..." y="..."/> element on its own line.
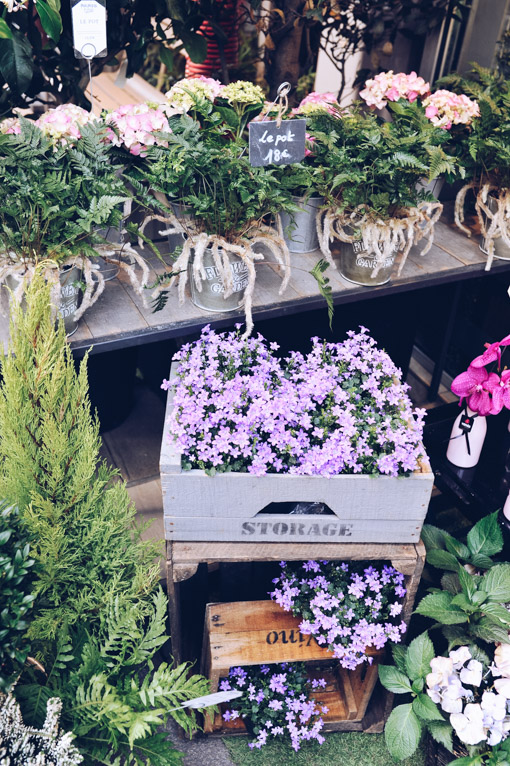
<point x="476" y="386"/>
<point x="492" y="353"/>
<point x="501" y="393"/>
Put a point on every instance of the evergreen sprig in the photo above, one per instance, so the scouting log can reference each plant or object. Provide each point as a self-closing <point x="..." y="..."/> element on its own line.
<point x="99" y="617"/>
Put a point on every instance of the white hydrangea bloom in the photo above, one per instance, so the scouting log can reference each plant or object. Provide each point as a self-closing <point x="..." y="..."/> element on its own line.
<point x="460" y="656"/>
<point x="469" y="725"/>
<point x="472" y="673"/>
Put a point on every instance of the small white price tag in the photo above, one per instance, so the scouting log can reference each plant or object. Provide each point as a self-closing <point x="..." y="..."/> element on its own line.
<point x="212" y="699"/>
<point x="89" y="28"/>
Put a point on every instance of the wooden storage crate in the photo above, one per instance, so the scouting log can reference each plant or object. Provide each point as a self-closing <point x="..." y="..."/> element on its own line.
<point x="229" y="506"/>
<point x="258" y="632"/>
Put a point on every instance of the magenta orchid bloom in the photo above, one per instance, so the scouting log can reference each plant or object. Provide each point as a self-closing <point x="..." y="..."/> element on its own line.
<point x="501" y="393"/>
<point x="476" y="386"/>
<point x="492" y="353"/>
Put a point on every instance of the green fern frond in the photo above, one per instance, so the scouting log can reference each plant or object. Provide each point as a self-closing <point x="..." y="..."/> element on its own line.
<point x="318" y="273"/>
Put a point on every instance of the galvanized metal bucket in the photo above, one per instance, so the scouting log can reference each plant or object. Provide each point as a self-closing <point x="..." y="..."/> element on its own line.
<point x="210" y="298"/>
<point x="108" y="268"/>
<point x="299" y="229"/>
<point x="501" y="249"/>
<point x="435" y="187"/>
<point x="70" y="295"/>
<point x="357" y="265"/>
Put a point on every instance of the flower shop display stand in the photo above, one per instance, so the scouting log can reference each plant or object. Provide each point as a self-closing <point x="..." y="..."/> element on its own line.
<point x="233" y="506"/>
<point x="261" y="632"/>
<point x="183" y="559"/>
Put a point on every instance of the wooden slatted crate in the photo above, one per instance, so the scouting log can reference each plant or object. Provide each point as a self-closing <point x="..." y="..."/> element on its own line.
<point x="259" y="632"/>
<point x="229" y="506"/>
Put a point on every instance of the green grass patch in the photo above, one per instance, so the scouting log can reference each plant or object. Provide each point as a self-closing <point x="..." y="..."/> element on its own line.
<point x="342" y="749"/>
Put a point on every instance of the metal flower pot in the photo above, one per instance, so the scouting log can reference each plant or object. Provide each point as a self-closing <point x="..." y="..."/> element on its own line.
<point x="501" y="249"/>
<point x="70" y="295"/>
<point x="357" y="265"/>
<point x="299" y="228"/>
<point x="211" y="296"/>
<point x="435" y="187"/>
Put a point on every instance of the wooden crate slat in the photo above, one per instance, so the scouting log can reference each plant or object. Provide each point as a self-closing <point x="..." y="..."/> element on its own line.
<point x="292" y="529"/>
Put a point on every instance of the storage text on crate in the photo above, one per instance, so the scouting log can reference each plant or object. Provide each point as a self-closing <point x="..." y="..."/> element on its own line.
<point x="297" y="528"/>
<point x="273" y="143"/>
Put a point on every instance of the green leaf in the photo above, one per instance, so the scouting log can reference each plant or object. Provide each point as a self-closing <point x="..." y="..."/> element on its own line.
<point x="324" y="287"/>
<point x="441" y="731"/>
<point x="417" y="685"/>
<point x="467" y="581"/>
<point x="479" y="597"/>
<point x="394" y="680"/>
<point x="5" y="30"/>
<point x="489" y="630"/>
<point x="426" y="709"/>
<point x="432" y="537"/>
<point x="468" y="760"/>
<point x="498" y="611"/>
<point x="439" y="607"/>
<point x="166" y="56"/>
<point x="16" y="65"/>
<point x="486" y="536"/>
<point x="419" y="655"/>
<point x="196" y="46"/>
<point x="402" y="732"/>
<point x="443" y="560"/>
<point x="399" y="656"/>
<point x="480" y="561"/>
<point x="457" y="548"/>
<point x="50" y="20"/>
<point x="496" y="583"/>
<point x="450" y="582"/>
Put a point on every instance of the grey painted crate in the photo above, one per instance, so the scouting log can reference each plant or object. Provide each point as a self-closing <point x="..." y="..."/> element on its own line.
<point x="227" y="507"/>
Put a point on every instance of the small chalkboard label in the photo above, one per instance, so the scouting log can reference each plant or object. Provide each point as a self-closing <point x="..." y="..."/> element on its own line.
<point x="271" y="144"/>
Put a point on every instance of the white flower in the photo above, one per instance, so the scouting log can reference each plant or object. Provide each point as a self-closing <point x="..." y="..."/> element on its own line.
<point x="442" y="668"/>
<point x="469" y="724"/>
<point x="460" y="656"/>
<point x="502" y="686"/>
<point x="493" y="705"/>
<point x="452" y="696"/>
<point x="472" y="674"/>
<point x="502" y="660"/>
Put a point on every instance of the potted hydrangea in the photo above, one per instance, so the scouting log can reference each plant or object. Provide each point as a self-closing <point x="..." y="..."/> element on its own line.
<point x="378" y="203"/>
<point x="203" y="169"/>
<point x="62" y="156"/>
<point x="484" y="152"/>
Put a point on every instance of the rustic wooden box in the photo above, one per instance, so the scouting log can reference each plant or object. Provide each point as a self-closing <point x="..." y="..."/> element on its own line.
<point x="257" y="632"/>
<point x="227" y="507"/>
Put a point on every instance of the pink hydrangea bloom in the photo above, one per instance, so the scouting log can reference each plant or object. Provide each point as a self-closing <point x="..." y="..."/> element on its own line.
<point x="317" y="102"/>
<point x="136" y="125"/>
<point x="445" y="108"/>
<point x="388" y="86"/>
<point x="10" y="125"/>
<point x="63" y="123"/>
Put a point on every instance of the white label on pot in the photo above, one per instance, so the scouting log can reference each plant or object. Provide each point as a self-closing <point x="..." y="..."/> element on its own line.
<point x="89" y="29"/>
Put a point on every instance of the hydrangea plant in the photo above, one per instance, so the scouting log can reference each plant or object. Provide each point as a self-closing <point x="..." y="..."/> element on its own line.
<point x="346" y="608"/>
<point x="342" y="408"/>
<point x="278" y="702"/>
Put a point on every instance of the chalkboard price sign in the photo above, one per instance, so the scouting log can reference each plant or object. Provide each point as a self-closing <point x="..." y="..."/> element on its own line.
<point x="271" y="144"/>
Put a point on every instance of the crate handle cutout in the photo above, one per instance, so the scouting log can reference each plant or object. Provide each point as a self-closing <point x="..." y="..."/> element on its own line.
<point x="297" y="508"/>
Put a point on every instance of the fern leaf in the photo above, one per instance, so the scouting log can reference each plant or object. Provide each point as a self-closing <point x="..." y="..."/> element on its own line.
<point x="324" y="287"/>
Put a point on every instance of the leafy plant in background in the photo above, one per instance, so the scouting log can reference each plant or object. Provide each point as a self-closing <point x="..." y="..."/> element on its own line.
<point x="16" y="598"/>
<point x="472" y="688"/>
<point x="469" y="607"/>
<point x="277" y="701"/>
<point x="99" y="617"/>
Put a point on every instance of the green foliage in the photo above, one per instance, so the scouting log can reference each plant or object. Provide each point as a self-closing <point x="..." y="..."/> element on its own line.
<point x="485" y="149"/>
<point x="36" y="177"/>
<point x="406" y="723"/>
<point x="98" y="617"/>
<point x="378" y="165"/>
<point x="318" y="272"/>
<point x="16" y="597"/>
<point x="205" y="167"/>
<point x="472" y="601"/>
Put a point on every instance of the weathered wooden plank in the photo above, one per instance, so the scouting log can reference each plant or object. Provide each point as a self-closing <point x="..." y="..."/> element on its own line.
<point x="435" y="261"/>
<point x="114" y="313"/>
<point x="192" y="552"/>
<point x="311" y="528"/>
<point x="458" y="245"/>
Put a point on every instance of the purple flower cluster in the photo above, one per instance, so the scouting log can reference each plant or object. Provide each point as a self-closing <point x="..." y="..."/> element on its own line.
<point x="346" y="609"/>
<point x="276" y="703"/>
<point x="342" y="408"/>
